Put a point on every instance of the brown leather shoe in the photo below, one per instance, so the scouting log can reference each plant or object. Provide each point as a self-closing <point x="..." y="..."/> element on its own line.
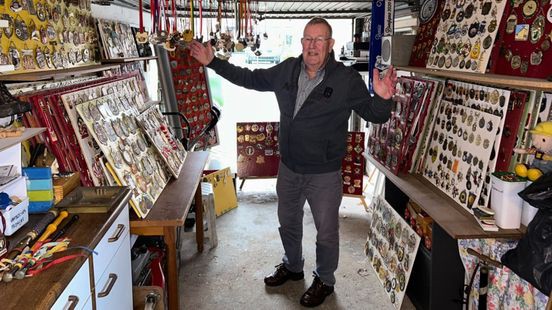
<point x="316" y="293"/>
<point x="281" y="275"/>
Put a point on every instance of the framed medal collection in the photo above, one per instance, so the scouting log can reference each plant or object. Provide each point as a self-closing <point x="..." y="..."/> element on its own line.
<point x="117" y="40"/>
<point x="524" y="40"/>
<point x="193" y="96"/>
<point x="47" y="35"/>
<point x="394" y="143"/>
<point x="489" y="100"/>
<point x="353" y="165"/>
<point x="465" y="36"/>
<point x="421" y="145"/>
<point x="257" y="149"/>
<point x="512" y="124"/>
<point x="462" y="141"/>
<point x="429" y="18"/>
<point x="169" y="148"/>
<point x="130" y="160"/>
<point x="391" y="248"/>
<point x="60" y="138"/>
<point x="126" y="90"/>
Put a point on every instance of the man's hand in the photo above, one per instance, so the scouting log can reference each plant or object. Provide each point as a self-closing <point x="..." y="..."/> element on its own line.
<point x="203" y="54"/>
<point x="385" y="88"/>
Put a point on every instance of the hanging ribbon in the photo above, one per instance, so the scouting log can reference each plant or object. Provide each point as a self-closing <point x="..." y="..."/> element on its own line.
<point x="141" y="35"/>
<point x="44" y="264"/>
<point x="200" y="21"/>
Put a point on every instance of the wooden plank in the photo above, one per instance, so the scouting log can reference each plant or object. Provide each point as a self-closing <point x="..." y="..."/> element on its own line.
<point x="173" y="204"/>
<point x="489" y="79"/>
<point x="453" y="218"/>
<point x="27" y="134"/>
<point x="54" y="74"/>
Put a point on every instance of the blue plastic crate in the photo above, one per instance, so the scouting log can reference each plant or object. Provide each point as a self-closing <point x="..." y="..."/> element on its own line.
<point x="34" y="173"/>
<point x="40" y="206"/>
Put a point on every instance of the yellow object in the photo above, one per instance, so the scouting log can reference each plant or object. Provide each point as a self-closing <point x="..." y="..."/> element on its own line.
<point x="53" y="226"/>
<point x="543" y="128"/>
<point x="521" y="170"/>
<point x="47" y="195"/>
<point x="533" y="174"/>
<point x="224" y="192"/>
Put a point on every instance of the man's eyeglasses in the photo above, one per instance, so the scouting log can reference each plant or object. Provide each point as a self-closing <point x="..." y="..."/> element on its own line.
<point x="318" y="41"/>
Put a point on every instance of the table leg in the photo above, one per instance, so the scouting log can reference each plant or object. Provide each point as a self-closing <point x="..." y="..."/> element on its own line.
<point x="169" y="235"/>
<point x="199" y="218"/>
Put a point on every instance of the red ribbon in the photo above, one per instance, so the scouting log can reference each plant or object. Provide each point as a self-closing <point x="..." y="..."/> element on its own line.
<point x="58" y="261"/>
<point x="142" y="16"/>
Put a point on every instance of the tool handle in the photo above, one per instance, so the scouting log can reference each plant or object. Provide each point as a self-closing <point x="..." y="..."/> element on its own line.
<point x="65" y="227"/>
<point x="53" y="226"/>
<point x="44" y="221"/>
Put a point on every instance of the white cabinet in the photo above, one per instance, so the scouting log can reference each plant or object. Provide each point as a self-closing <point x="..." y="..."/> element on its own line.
<point x="77" y="294"/>
<point x="112" y="273"/>
<point x="110" y="243"/>
<point x="111" y="276"/>
<point x="114" y="289"/>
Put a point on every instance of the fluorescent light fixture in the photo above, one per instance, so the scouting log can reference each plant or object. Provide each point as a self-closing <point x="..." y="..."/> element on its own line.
<point x="406" y="17"/>
<point x="404" y="29"/>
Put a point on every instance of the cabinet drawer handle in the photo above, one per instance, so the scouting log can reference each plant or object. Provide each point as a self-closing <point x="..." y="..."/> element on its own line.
<point x="118" y="233"/>
<point x="72" y="302"/>
<point x="112" y="279"/>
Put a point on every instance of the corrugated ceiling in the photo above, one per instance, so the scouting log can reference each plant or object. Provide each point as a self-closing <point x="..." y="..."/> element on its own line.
<point x="283" y="8"/>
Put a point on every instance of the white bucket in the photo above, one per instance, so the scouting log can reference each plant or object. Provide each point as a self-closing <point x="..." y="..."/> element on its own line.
<point x="506" y="202"/>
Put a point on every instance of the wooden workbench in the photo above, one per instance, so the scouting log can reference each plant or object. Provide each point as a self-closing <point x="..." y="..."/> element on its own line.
<point x="169" y="212"/>
<point x="42" y="291"/>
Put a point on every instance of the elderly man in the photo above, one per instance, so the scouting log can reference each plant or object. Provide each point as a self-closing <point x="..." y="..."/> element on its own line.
<point x="315" y="95"/>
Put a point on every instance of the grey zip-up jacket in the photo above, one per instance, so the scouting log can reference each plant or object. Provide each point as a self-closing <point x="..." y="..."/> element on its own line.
<point x="314" y="141"/>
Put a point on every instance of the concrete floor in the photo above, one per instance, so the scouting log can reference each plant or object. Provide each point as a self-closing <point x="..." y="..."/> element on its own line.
<point x="231" y="275"/>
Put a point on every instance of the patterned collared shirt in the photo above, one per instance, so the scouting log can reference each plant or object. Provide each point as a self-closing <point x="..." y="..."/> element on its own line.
<point x="306" y="85"/>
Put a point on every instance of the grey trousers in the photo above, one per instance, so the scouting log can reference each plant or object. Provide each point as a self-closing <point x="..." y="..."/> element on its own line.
<point x="324" y="193"/>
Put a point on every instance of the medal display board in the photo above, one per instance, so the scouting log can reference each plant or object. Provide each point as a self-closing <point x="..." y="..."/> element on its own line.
<point x="488" y="100"/>
<point x="524" y="40"/>
<point x="512" y="124"/>
<point x="47" y="35"/>
<point x="353" y="164"/>
<point x="133" y="163"/>
<point x="391" y="248"/>
<point x="465" y="35"/>
<point x="117" y="40"/>
<point x="423" y="140"/>
<point x="193" y="97"/>
<point x="127" y="91"/>
<point x="59" y="137"/>
<point x="257" y="148"/>
<point x="170" y="149"/>
<point x="429" y="17"/>
<point x="393" y="143"/>
<point x="459" y="151"/>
